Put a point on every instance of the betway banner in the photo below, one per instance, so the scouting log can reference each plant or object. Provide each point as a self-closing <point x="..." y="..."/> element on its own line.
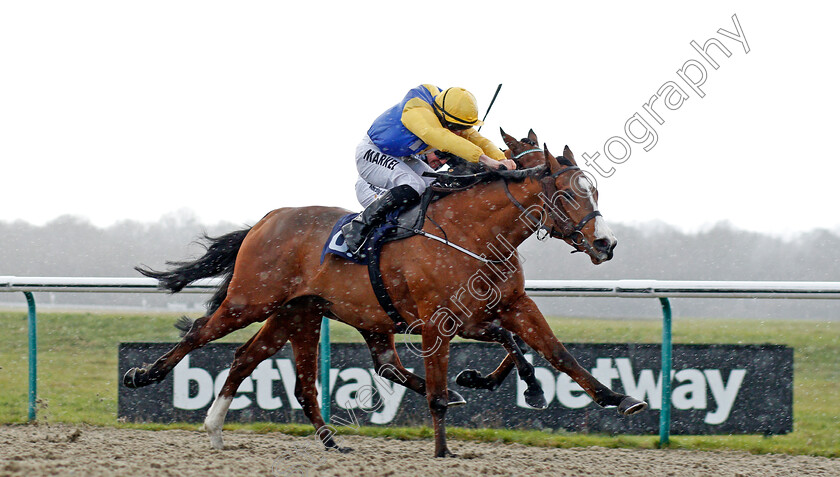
<point x="717" y="389"/>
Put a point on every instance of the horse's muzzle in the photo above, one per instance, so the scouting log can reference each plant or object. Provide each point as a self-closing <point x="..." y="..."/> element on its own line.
<point x="603" y="250"/>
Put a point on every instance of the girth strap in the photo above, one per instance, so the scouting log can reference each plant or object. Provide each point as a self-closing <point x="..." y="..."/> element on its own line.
<point x="379" y="289"/>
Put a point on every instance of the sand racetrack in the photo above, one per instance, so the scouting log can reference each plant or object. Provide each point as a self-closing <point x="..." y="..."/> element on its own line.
<point x="34" y="450"/>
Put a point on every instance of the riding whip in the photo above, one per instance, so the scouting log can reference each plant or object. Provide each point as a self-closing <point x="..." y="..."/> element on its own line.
<point x="491" y="104"/>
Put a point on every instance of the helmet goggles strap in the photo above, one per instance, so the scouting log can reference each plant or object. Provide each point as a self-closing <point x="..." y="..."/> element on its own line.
<point x="442" y="109"/>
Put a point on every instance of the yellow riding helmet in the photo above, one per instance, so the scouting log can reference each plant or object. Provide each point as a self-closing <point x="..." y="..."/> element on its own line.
<point x="457" y="106"/>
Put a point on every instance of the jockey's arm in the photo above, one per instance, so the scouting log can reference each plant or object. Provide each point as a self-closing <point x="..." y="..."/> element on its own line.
<point x="486" y="145"/>
<point x="493" y="156"/>
<point x="419" y="118"/>
<point x="494" y="164"/>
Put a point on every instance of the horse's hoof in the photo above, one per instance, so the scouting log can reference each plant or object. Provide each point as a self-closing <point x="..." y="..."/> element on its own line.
<point x="467" y="378"/>
<point x="535" y="399"/>
<point x="455" y="399"/>
<point x="339" y="449"/>
<point x="445" y="453"/>
<point x="630" y="405"/>
<point x="130" y="378"/>
<point x="137" y="378"/>
<point x="470" y="378"/>
<point x="216" y="441"/>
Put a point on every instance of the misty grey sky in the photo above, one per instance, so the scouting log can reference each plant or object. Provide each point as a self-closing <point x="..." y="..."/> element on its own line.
<point x="125" y="110"/>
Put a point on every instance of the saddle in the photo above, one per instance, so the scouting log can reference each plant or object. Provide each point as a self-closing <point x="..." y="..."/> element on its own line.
<point x="404" y="223"/>
<point x="400" y="224"/>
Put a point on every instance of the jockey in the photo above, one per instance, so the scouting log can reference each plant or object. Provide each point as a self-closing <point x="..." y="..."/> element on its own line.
<point x="400" y="146"/>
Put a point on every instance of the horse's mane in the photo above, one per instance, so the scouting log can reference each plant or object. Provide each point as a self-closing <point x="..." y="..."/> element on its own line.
<point x="520" y="175"/>
<point x="467" y="175"/>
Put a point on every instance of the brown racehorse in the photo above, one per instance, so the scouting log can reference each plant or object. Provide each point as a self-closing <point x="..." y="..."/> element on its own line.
<point x="277" y="276"/>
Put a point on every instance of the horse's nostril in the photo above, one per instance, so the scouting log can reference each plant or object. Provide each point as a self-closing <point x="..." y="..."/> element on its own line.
<point x="603" y="245"/>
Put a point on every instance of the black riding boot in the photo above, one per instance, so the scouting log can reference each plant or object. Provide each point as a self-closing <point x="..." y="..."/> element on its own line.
<point x="357" y="231"/>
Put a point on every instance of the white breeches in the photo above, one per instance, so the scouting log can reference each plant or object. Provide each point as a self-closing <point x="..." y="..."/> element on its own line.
<point x="379" y="172"/>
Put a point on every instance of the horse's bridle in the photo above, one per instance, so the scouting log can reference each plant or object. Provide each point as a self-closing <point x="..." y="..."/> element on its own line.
<point x="568" y="230"/>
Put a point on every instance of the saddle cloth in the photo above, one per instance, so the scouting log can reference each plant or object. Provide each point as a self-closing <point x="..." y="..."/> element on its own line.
<point x="335" y="243"/>
<point x="398" y="225"/>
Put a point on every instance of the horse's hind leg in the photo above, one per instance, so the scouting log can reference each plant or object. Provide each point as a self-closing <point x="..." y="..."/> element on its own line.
<point x="388" y="365"/>
<point x="268" y="340"/>
<point x="226" y="319"/>
<point x="305" y="345"/>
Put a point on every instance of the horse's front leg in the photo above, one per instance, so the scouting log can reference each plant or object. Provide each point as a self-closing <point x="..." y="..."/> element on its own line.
<point x="490" y="331"/>
<point x="436" y="362"/>
<point x="472" y="378"/>
<point x="524" y="319"/>
<point x="388" y="365"/>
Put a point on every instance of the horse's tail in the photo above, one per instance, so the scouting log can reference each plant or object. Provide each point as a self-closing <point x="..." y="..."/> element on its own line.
<point x="218" y="260"/>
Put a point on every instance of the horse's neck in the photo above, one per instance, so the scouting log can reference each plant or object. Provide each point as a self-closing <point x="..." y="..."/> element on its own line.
<point x="485" y="212"/>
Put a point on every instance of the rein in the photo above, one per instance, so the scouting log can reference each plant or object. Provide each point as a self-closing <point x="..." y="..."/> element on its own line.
<point x="567" y="230"/>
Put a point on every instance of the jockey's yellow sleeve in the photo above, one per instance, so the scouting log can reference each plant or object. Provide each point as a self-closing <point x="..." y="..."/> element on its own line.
<point x="419" y="118"/>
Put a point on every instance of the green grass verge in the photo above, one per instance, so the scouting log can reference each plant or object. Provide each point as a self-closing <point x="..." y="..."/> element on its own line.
<point x="77" y="376"/>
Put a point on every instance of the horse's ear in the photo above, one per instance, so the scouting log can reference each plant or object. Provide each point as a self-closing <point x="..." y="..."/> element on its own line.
<point x="550" y="161"/>
<point x="533" y="136"/>
<point x="509" y="140"/>
<point x="567" y="153"/>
